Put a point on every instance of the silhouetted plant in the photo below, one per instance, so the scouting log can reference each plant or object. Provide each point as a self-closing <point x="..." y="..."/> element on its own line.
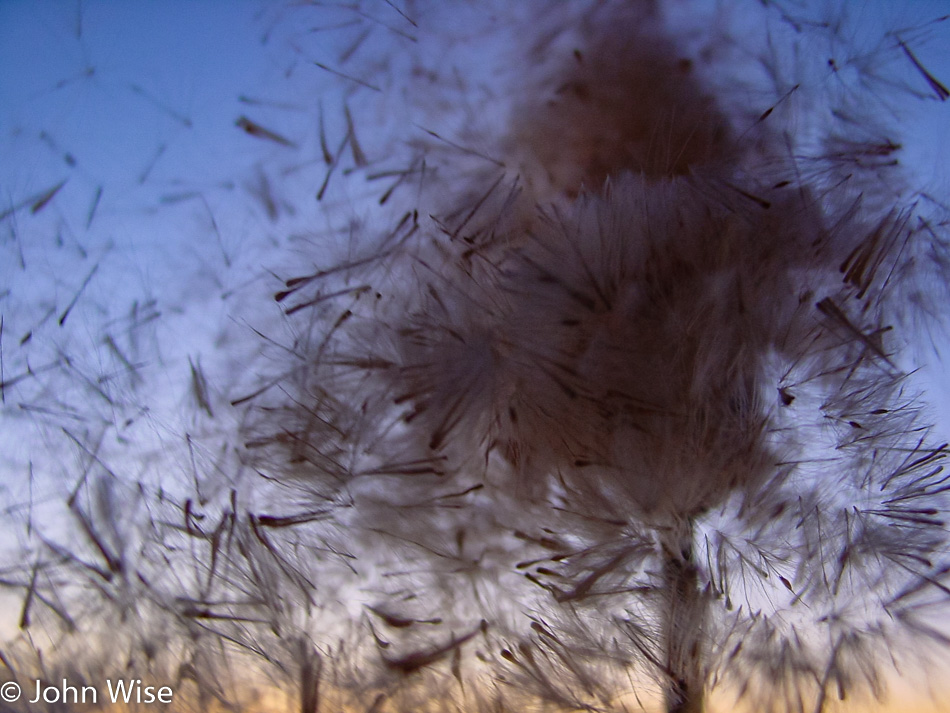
<point x="609" y="394"/>
<point x="649" y="332"/>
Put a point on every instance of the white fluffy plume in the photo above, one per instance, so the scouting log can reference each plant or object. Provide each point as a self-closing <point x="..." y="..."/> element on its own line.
<point x="605" y="399"/>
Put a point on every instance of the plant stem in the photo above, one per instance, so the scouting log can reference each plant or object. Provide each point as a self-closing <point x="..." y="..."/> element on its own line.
<point x="684" y="620"/>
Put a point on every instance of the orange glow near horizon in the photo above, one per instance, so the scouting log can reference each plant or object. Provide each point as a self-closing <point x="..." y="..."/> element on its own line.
<point x="902" y="697"/>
